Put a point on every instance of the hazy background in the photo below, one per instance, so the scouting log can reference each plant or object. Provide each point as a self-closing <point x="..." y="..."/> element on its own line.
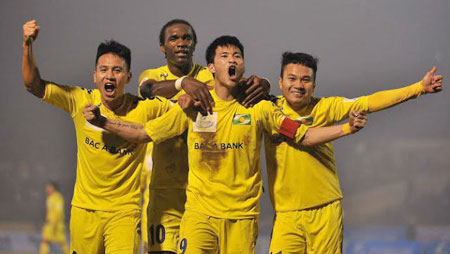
<point x="394" y="172"/>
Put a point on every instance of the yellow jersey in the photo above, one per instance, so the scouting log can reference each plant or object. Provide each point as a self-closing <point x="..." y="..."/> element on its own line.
<point x="306" y="177"/>
<point x="224" y="154"/>
<point x="199" y="72"/>
<point x="108" y="167"/>
<point x="169" y="159"/>
<point x="55" y="208"/>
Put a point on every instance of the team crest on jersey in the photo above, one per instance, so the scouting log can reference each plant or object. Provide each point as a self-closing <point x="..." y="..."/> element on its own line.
<point x="164" y="76"/>
<point x="305" y="120"/>
<point x="242" y="119"/>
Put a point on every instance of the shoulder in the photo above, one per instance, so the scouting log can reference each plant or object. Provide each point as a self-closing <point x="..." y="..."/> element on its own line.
<point x="156" y="101"/>
<point x="154" y="73"/>
<point x="202" y="71"/>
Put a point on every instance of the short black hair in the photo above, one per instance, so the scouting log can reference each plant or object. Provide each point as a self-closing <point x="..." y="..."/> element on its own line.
<point x="222" y="41"/>
<point x="114" y="47"/>
<point x="162" y="33"/>
<point x="299" y="58"/>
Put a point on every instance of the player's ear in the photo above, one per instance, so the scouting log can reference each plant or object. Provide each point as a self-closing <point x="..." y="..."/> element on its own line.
<point x="280" y="83"/>
<point x="129" y="76"/>
<point x="162" y="48"/>
<point x="212" y="68"/>
<point x="95" y="76"/>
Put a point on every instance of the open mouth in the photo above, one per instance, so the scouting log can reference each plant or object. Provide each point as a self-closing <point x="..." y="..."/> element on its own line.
<point x="109" y="88"/>
<point x="232" y="71"/>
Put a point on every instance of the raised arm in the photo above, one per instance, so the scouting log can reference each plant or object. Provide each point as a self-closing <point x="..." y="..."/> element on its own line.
<point x="133" y="132"/>
<point x="320" y="135"/>
<point x="30" y="72"/>
<point x="430" y="83"/>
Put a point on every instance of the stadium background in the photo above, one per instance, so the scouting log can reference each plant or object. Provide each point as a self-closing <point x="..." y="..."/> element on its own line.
<point x="395" y="174"/>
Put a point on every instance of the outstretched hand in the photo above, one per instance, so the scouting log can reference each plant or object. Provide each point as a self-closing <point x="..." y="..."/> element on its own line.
<point x="30" y="32"/>
<point x="432" y="83"/>
<point x="357" y="120"/>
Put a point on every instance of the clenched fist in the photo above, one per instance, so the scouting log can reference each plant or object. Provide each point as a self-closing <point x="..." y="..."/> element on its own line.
<point x="30" y="32"/>
<point x="92" y="114"/>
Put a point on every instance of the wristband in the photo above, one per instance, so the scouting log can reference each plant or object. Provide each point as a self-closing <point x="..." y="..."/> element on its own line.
<point x="178" y="83"/>
<point x="346" y="129"/>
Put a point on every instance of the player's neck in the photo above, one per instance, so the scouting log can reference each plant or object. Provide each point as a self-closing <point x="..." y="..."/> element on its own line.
<point x="223" y="92"/>
<point x="298" y="106"/>
<point x="114" y="104"/>
<point x="180" y="71"/>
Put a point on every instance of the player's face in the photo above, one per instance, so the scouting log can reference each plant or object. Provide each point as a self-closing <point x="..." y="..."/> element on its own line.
<point x="178" y="44"/>
<point x="297" y="85"/>
<point x="111" y="76"/>
<point x="49" y="189"/>
<point x="228" y="66"/>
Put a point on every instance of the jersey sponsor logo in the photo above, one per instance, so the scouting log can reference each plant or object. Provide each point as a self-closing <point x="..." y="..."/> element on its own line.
<point x="218" y="146"/>
<point x="164" y="76"/>
<point x="110" y="149"/>
<point x="242" y="119"/>
<point x="305" y="120"/>
<point x="206" y="123"/>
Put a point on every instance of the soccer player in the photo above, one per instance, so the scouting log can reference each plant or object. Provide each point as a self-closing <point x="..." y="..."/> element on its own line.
<point x="303" y="183"/>
<point x="225" y="183"/>
<point x="54" y="229"/>
<point x="177" y="40"/>
<point x="106" y="210"/>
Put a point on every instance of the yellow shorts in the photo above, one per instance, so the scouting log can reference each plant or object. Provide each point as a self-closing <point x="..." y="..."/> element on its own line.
<point x="202" y="234"/>
<point x="316" y="230"/>
<point x="104" y="232"/>
<point x="54" y="233"/>
<point x="165" y="209"/>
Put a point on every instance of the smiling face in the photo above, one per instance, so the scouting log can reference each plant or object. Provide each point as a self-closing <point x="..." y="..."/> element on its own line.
<point x="178" y="44"/>
<point x="111" y="76"/>
<point x="297" y="85"/>
<point x="228" y="66"/>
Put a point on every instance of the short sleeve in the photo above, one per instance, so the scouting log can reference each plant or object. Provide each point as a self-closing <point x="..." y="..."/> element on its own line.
<point x="65" y="97"/>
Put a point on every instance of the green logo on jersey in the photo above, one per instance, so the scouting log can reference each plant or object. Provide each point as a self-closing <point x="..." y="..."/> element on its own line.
<point x="242" y="119"/>
<point x="305" y="120"/>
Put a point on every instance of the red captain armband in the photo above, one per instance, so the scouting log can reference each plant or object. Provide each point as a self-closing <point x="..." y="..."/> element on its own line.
<point x="289" y="128"/>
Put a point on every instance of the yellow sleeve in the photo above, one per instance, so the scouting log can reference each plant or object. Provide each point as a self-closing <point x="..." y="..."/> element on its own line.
<point x="335" y="109"/>
<point x="64" y="97"/>
<point x="272" y="118"/>
<point x="169" y="125"/>
<point x="385" y="99"/>
<point x="156" y="107"/>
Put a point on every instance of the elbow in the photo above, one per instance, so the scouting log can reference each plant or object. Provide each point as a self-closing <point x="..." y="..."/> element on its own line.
<point x="147" y="91"/>
<point x="142" y="138"/>
<point x="307" y="143"/>
<point x="37" y="90"/>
